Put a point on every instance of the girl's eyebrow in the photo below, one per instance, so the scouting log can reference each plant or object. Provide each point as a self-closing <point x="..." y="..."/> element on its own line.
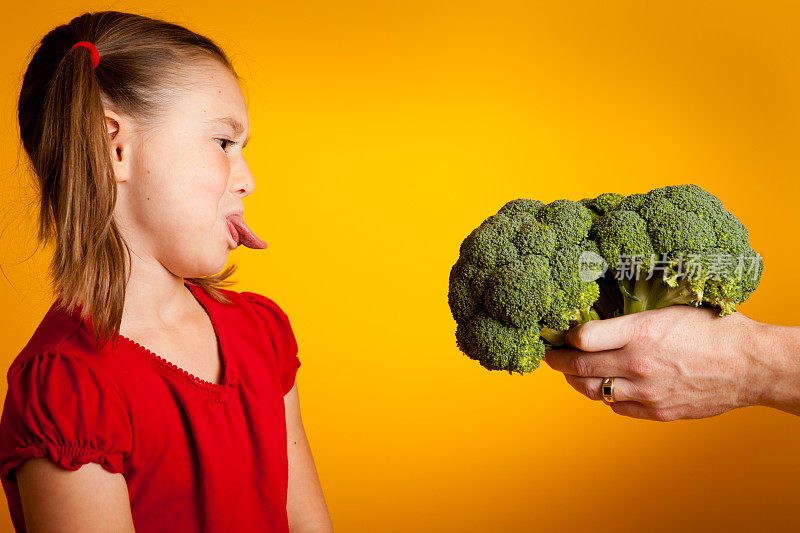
<point x="238" y="129"/>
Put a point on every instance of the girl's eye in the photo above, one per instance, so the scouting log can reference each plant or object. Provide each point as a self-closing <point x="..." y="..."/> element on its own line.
<point x="230" y="142"/>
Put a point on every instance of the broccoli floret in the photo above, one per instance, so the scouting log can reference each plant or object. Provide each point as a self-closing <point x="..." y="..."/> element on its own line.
<point x="516" y="287"/>
<point x="603" y="203"/>
<point x="498" y="346"/>
<point x="677" y="245"/>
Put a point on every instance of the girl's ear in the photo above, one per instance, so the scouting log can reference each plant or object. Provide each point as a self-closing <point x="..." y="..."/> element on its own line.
<point x="118" y="144"/>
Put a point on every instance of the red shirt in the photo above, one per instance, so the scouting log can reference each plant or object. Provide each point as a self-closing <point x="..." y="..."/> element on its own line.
<point x="196" y="456"/>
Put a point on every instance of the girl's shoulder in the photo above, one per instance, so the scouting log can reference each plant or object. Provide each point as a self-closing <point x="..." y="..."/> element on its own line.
<point x="274" y="321"/>
<point x="60" y="360"/>
<point x="59" y="332"/>
<point x="266" y="308"/>
<point x="259" y="310"/>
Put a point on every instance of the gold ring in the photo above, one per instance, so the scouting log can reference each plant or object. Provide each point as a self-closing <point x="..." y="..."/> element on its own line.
<point x="608" y="390"/>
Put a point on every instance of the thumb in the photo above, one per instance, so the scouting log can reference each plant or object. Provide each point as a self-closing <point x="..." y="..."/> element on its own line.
<point x="607" y="334"/>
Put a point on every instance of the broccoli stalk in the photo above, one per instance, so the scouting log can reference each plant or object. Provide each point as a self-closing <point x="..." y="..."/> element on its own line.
<point x="641" y="294"/>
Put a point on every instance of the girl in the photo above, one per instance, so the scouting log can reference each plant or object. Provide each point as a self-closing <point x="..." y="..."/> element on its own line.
<point x="149" y="396"/>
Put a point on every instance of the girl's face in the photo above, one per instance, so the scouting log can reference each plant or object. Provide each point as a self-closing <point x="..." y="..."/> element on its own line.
<point x="183" y="178"/>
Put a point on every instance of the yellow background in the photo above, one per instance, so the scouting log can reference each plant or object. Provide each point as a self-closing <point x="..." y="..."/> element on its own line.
<point x="382" y="134"/>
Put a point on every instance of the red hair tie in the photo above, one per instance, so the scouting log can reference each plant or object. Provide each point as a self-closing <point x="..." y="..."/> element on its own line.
<point x="92" y="49"/>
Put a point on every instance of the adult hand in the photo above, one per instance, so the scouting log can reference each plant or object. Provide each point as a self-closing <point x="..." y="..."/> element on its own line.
<point x="670" y="363"/>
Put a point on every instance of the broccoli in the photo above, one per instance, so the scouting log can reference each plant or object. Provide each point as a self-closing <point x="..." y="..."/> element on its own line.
<point x="529" y="273"/>
<point x="516" y="287"/>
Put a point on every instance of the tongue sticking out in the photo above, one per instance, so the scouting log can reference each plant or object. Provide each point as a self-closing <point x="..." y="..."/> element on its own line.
<point x="246" y="236"/>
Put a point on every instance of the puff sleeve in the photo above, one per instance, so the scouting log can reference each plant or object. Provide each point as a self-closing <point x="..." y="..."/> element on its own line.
<point x="60" y="407"/>
<point x="280" y="332"/>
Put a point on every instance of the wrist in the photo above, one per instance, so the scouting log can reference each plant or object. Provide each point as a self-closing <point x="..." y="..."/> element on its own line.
<point x="772" y="357"/>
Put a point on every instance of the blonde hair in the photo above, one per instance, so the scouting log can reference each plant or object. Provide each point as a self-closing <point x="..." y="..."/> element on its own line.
<point x="62" y="126"/>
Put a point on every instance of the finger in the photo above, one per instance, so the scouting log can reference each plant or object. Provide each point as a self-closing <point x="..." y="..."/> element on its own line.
<point x="584" y="364"/>
<point x="638" y="410"/>
<point x="607" y="334"/>
<point x="624" y="390"/>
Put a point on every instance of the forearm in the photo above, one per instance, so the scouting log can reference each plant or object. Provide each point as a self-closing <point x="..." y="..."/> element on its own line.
<point x="305" y="504"/>
<point x="773" y="357"/>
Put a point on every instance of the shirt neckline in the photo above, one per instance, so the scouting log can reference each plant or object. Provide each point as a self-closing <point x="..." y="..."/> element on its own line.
<point x="173" y="370"/>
